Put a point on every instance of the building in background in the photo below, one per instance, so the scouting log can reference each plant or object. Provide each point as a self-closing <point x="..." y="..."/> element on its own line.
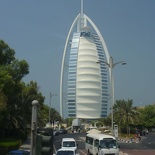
<point x="86" y="83"/>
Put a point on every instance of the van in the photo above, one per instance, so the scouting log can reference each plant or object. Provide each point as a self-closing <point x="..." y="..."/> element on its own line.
<point x="98" y="144"/>
<point x="69" y="143"/>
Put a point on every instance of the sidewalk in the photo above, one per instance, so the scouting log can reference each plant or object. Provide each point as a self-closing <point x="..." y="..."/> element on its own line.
<point x="26" y="145"/>
<point x="130" y="140"/>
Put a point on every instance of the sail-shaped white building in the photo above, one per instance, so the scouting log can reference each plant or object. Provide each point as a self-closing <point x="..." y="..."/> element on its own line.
<point x="87" y="81"/>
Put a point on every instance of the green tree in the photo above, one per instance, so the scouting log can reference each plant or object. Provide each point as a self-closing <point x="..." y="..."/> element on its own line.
<point x="29" y="92"/>
<point x="105" y="121"/>
<point x="55" y="116"/>
<point x="43" y="116"/>
<point x="125" y="113"/>
<point x="6" y="54"/>
<point x="11" y="72"/>
<point x="147" y="116"/>
<point x="2" y="101"/>
<point x="68" y="121"/>
<point x="15" y="96"/>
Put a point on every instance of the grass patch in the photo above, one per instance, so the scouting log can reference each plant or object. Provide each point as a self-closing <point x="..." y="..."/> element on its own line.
<point x="7" y="145"/>
<point x="10" y="143"/>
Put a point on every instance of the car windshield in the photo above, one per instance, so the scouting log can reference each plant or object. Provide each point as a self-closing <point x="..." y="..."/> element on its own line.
<point x="68" y="144"/>
<point x="67" y="152"/>
<point x="108" y="143"/>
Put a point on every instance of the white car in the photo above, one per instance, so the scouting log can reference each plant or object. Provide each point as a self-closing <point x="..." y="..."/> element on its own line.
<point x="67" y="151"/>
<point x="69" y="143"/>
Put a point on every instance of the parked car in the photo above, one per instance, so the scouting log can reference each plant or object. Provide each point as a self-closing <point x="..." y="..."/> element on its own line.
<point x="62" y="131"/>
<point x="18" y="152"/>
<point x="45" y="131"/>
<point x="55" y="132"/>
<point x="67" y="151"/>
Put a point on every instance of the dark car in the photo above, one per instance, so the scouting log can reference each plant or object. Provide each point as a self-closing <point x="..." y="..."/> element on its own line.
<point x="62" y="131"/>
<point x="18" y="152"/>
<point x="55" y="132"/>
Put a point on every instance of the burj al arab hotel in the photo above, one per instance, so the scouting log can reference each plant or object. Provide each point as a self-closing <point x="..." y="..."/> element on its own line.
<point x="87" y="91"/>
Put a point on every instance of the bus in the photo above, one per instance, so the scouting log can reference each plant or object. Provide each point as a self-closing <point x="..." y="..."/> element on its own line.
<point x="101" y="144"/>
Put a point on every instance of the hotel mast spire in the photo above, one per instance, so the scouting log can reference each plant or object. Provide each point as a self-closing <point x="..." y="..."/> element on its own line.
<point x="81" y="16"/>
<point x="81" y="7"/>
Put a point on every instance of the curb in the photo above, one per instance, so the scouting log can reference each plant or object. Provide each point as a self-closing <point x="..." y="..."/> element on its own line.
<point x="128" y="141"/>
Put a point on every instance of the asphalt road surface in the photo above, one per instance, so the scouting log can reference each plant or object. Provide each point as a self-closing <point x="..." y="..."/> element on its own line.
<point x="145" y="147"/>
<point x="79" y="137"/>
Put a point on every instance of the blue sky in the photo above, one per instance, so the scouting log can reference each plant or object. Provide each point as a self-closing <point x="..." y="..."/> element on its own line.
<point x="37" y="31"/>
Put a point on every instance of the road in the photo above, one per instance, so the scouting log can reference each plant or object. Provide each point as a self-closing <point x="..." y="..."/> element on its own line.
<point x="145" y="147"/>
<point x="79" y="137"/>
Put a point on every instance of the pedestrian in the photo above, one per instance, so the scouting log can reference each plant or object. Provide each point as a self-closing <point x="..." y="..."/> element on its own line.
<point x="139" y="137"/>
<point x="79" y="130"/>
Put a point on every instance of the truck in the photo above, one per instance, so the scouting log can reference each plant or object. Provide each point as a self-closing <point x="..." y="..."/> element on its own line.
<point x="76" y="123"/>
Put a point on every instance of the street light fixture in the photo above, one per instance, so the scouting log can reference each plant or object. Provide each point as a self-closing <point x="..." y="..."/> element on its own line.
<point x="50" y="107"/>
<point x="111" y="65"/>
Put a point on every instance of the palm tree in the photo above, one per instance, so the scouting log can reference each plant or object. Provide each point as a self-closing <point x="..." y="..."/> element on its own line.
<point x="125" y="113"/>
<point x="68" y="121"/>
<point x="105" y="121"/>
<point x="55" y="116"/>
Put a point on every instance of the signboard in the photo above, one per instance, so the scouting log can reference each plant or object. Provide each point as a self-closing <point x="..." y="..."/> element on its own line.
<point x="116" y="131"/>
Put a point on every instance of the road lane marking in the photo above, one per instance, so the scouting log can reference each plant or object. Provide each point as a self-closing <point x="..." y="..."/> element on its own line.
<point x="54" y="149"/>
<point x="82" y="152"/>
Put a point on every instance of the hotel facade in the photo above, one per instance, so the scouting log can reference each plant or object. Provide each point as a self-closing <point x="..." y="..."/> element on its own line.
<point x="86" y="83"/>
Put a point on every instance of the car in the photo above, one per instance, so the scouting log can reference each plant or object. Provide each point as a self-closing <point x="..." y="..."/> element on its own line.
<point x="62" y="131"/>
<point x="55" y="132"/>
<point x="69" y="143"/>
<point x="19" y="152"/>
<point x="45" y="131"/>
<point x="67" y="151"/>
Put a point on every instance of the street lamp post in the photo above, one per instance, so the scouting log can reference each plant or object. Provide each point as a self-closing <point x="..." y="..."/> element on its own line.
<point x="111" y="65"/>
<point x="35" y="105"/>
<point x="50" y="107"/>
